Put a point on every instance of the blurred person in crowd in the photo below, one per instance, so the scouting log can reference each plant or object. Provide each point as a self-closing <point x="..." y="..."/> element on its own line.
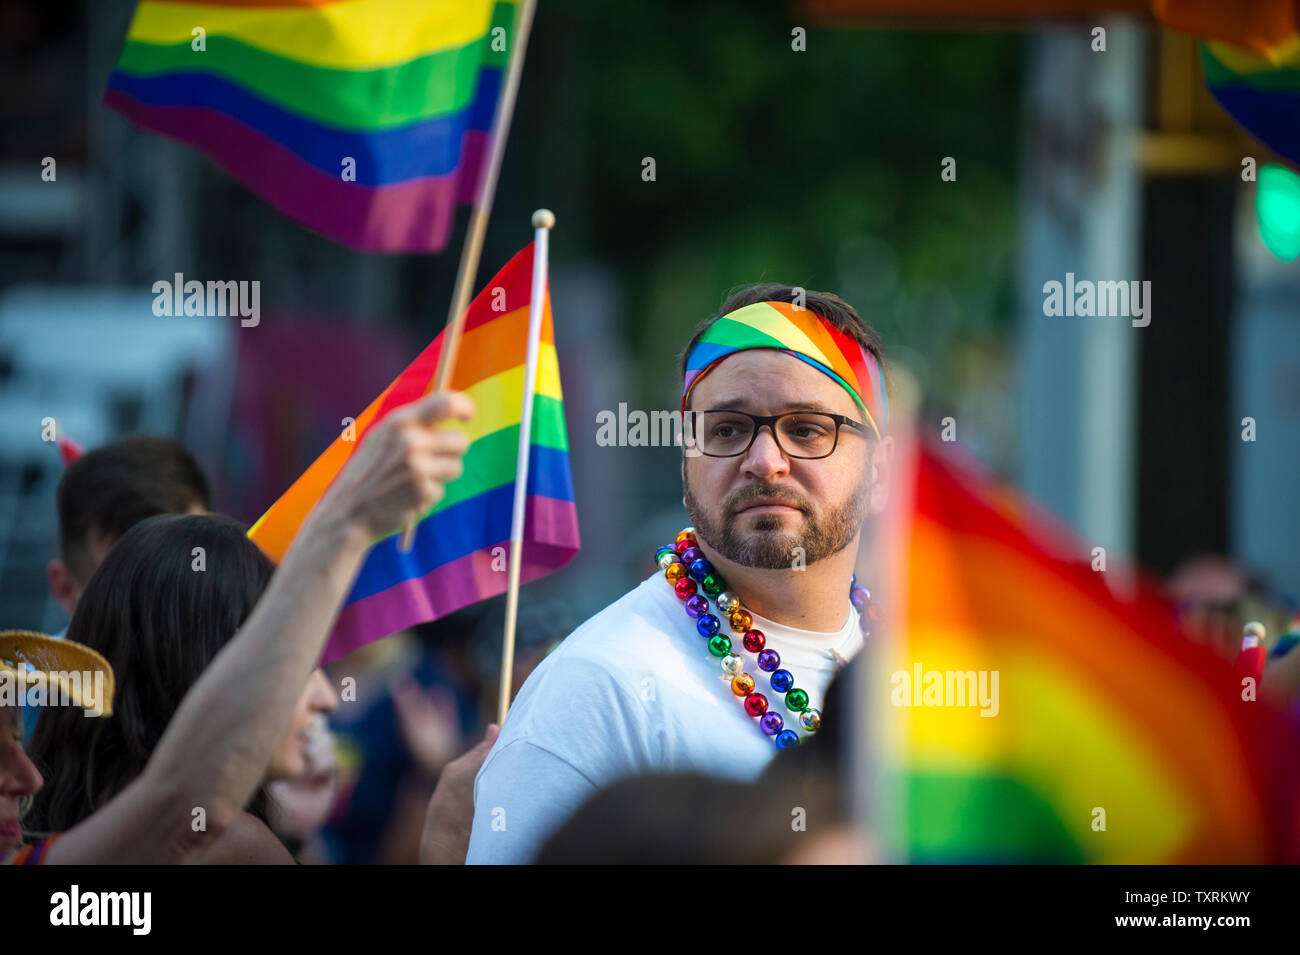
<point x="230" y="727"/>
<point x="106" y="492"/>
<point x="298" y="807"/>
<point x="784" y="457"/>
<point x="405" y="720"/>
<point x="109" y="490"/>
<point x="203" y="575"/>
<point x="417" y="697"/>
<point x="101" y="496"/>
<point x="26" y="659"/>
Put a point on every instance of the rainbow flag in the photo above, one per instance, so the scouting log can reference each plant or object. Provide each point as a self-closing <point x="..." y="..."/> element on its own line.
<point x="366" y="120"/>
<point x="1107" y="737"/>
<point x="454" y="560"/>
<point x="1251" y="60"/>
<point x="1261" y="95"/>
<point x="1267" y="28"/>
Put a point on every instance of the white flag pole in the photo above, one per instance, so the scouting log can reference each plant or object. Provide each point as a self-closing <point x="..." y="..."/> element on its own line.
<point x="543" y="221"/>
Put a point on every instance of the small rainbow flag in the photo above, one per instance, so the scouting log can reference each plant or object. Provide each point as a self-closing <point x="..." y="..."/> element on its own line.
<point x="454" y="560"/>
<point x="1261" y="95"/>
<point x="366" y="120"/>
<point x="1107" y="737"/>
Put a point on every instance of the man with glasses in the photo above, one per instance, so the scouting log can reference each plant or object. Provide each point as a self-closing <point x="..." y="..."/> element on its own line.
<point x="722" y="656"/>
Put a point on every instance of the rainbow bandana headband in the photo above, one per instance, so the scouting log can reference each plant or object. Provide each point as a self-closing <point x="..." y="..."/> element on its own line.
<point x="802" y="333"/>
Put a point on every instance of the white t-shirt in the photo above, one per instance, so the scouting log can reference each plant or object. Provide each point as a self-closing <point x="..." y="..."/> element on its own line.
<point x="634" y="689"/>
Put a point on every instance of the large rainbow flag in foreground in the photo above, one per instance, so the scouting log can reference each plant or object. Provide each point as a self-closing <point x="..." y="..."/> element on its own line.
<point x="452" y="561"/>
<point x="1111" y="738"/>
<point x="366" y="120"/>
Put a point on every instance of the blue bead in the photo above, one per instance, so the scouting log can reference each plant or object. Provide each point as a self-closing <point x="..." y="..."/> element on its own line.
<point x="701" y="568"/>
<point x="664" y="550"/>
<point x="787" y="738"/>
<point x="782" y="680"/>
<point x="708" y="625"/>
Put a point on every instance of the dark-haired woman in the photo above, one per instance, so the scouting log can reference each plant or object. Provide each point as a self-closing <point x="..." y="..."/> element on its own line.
<point x="169" y="595"/>
<point x="216" y="750"/>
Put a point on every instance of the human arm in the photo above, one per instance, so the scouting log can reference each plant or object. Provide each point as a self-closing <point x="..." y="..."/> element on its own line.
<point x="214" y="752"/>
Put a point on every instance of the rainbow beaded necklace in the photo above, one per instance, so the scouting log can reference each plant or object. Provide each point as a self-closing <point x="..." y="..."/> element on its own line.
<point x="695" y="581"/>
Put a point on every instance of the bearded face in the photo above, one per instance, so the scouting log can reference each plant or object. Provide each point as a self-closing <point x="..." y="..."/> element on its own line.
<point x="764" y="508"/>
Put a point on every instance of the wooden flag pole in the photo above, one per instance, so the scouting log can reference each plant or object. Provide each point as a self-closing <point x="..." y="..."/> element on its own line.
<point x="478" y="222"/>
<point x="543" y="221"/>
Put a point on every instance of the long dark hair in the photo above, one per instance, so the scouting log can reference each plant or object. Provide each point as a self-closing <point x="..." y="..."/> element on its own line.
<point x="159" y="610"/>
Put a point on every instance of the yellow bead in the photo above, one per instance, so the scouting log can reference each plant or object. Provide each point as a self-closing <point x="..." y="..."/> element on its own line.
<point x="742" y="685"/>
<point x="741" y="620"/>
<point x="686" y="535"/>
<point x="675" y="572"/>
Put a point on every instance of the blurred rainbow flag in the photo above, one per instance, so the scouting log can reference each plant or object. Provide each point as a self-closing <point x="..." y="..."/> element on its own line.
<point x="1262" y="96"/>
<point x="451" y="563"/>
<point x="1251" y="59"/>
<point x="366" y="120"/>
<point x="1110" y="738"/>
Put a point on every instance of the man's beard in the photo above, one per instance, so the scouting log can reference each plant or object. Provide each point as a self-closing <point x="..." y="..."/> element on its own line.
<point x="766" y="546"/>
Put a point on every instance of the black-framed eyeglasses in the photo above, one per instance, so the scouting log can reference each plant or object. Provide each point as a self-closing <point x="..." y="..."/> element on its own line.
<point x="720" y="433"/>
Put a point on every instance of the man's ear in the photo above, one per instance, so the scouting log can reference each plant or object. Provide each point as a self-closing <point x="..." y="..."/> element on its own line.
<point x="882" y="457"/>
<point x="63" y="586"/>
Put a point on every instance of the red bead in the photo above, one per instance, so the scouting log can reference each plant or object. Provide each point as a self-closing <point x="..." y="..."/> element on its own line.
<point x="756" y="704"/>
<point x="755" y="641"/>
<point x="684" y="536"/>
<point x="873" y="612"/>
<point x="685" y="588"/>
<point x="684" y="544"/>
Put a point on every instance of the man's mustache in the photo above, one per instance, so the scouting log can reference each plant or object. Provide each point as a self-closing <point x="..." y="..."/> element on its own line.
<point x="753" y="492"/>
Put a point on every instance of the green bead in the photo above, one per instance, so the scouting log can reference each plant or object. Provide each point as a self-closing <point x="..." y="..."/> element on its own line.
<point x="712" y="585"/>
<point x="719" y="644"/>
<point x="796" y="700"/>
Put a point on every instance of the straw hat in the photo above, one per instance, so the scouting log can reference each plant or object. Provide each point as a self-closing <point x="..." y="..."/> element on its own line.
<point x="23" y="652"/>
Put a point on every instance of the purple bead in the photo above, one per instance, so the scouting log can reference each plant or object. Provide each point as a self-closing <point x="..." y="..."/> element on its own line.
<point x="772" y="723"/>
<point x="769" y="660"/>
<point x="858" y="596"/>
<point x="691" y="555"/>
<point x="701" y="568"/>
<point x="708" y="625"/>
<point x="697" y="605"/>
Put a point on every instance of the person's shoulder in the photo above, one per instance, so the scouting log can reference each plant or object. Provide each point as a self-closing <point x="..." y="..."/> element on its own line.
<point x="617" y="635"/>
<point x="595" y="667"/>
<point x="246" y="841"/>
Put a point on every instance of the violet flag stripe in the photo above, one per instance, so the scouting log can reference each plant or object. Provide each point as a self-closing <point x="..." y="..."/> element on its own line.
<point x="454" y="585"/>
<point x="415" y="216"/>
